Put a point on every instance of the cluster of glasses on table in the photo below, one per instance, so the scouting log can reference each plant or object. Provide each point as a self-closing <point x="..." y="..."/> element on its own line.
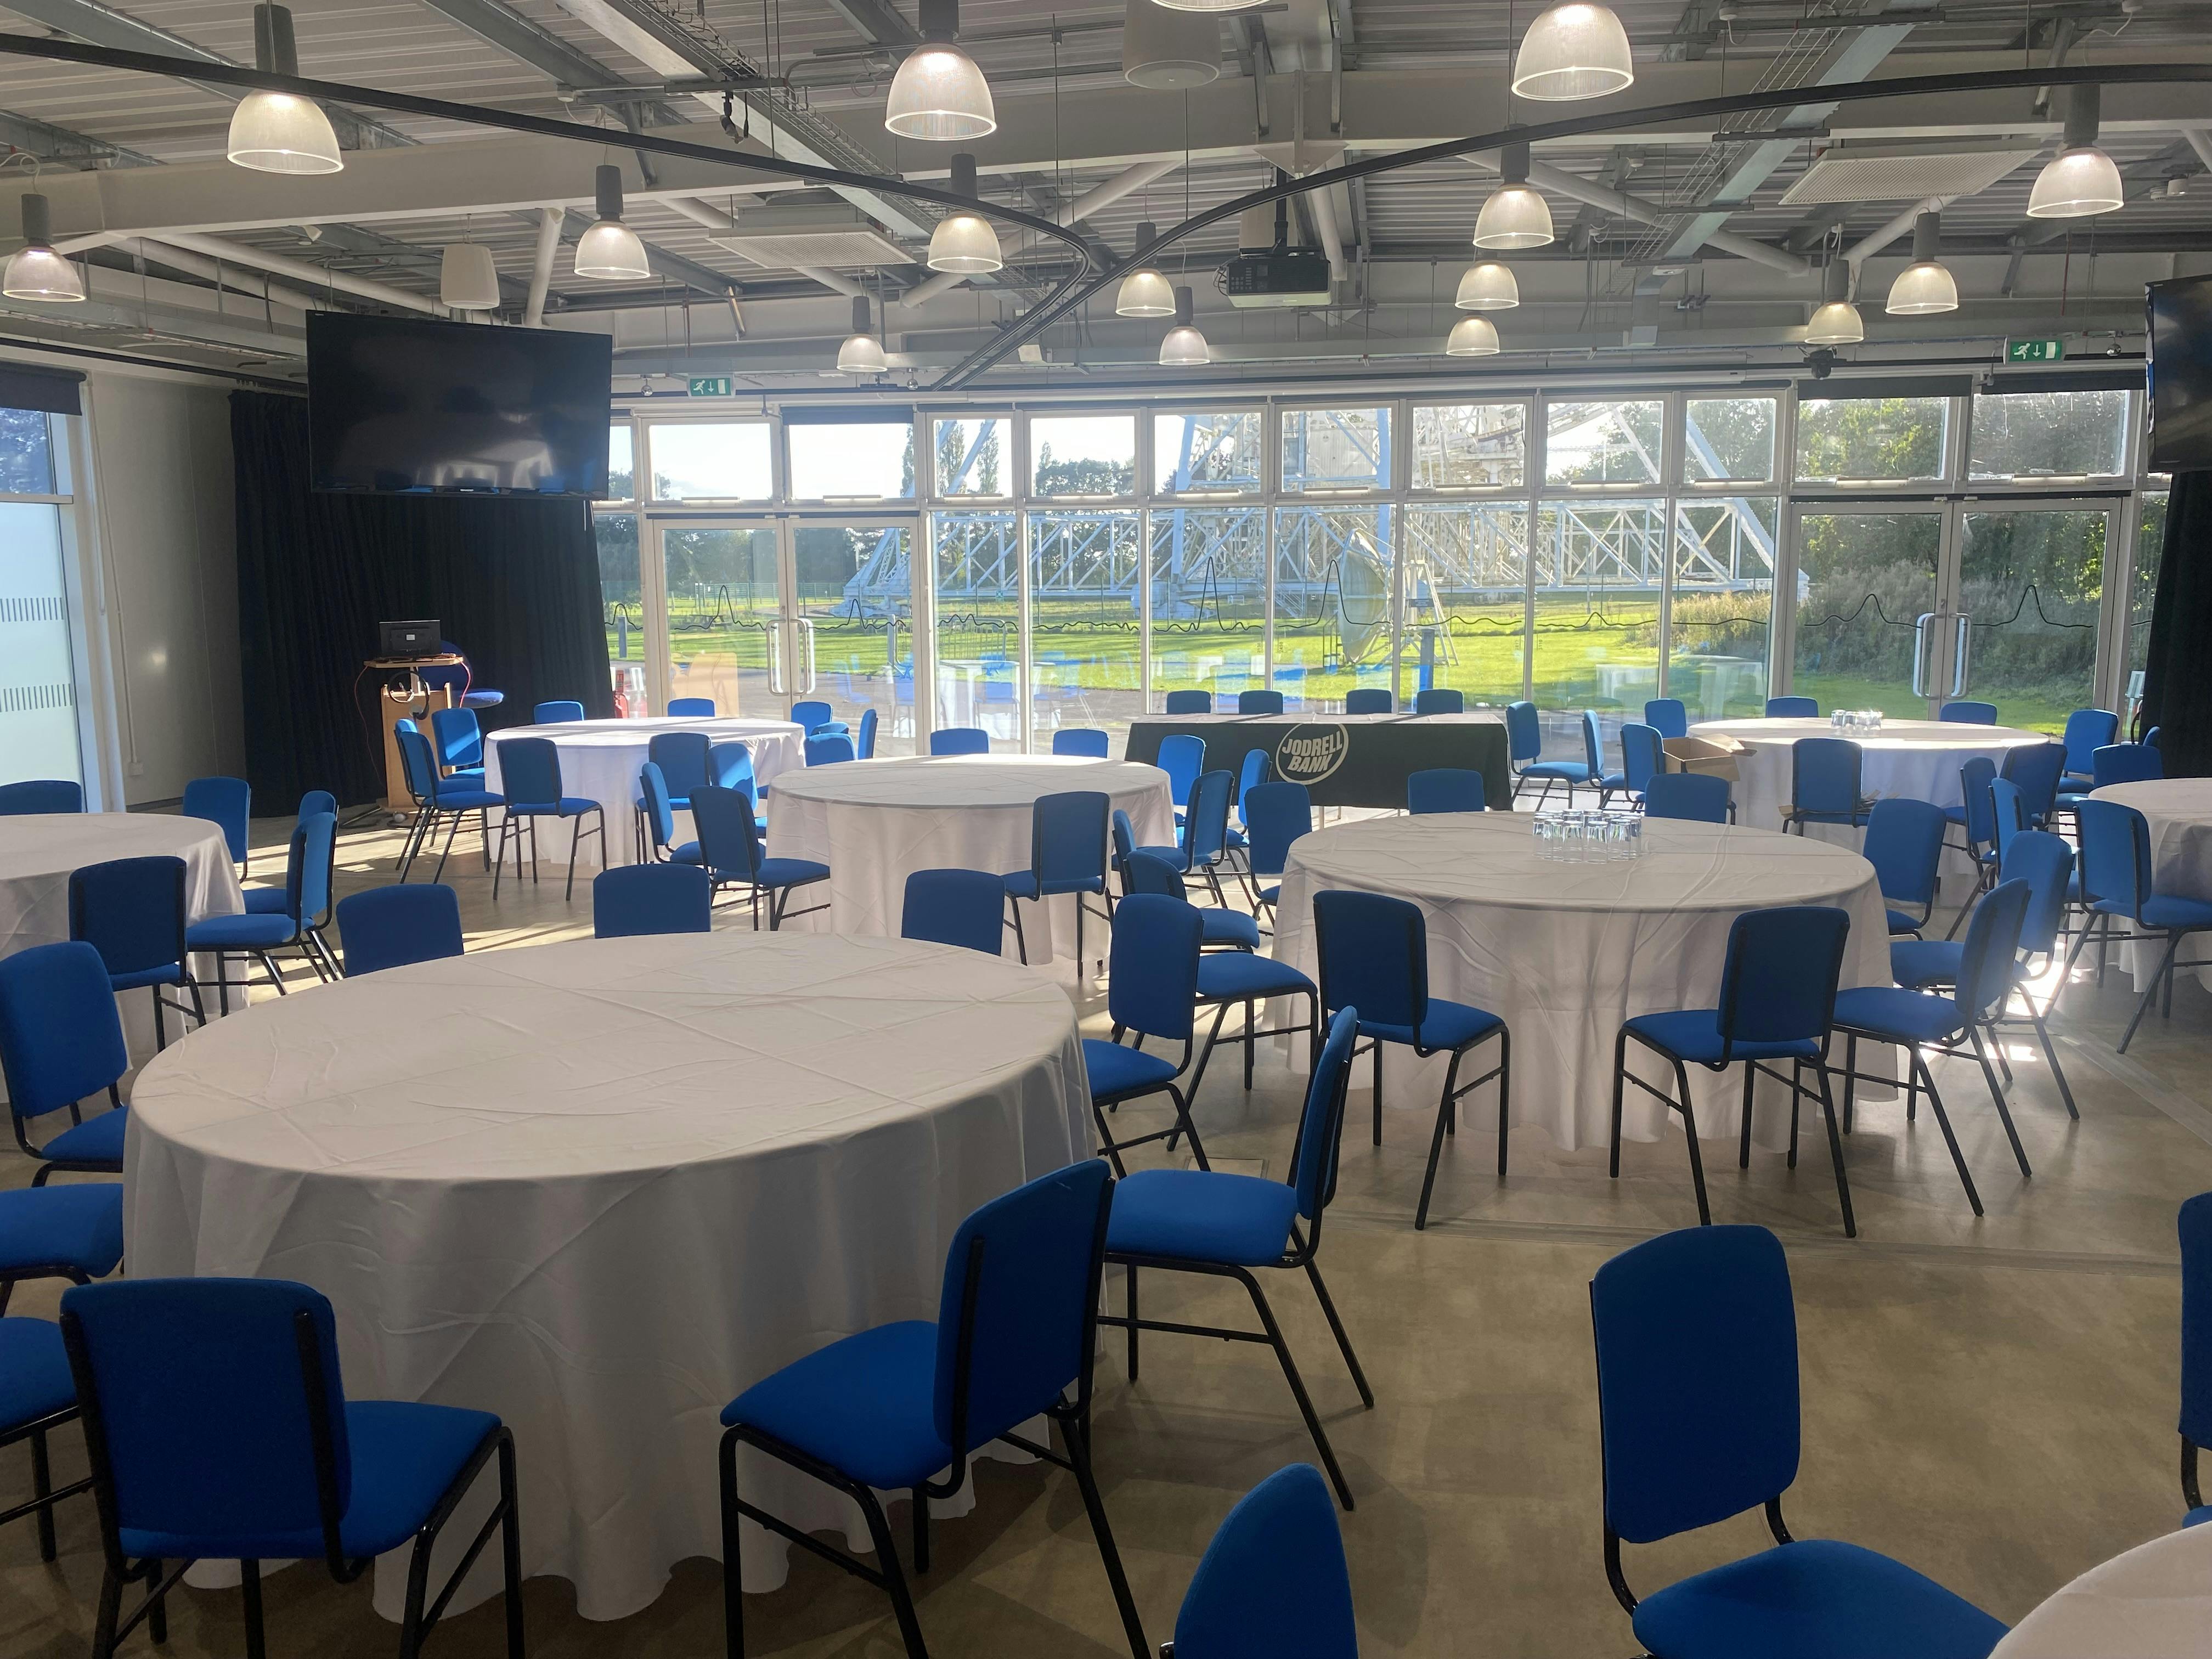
<point x="1589" y="837"/>
<point x="1854" y="720"/>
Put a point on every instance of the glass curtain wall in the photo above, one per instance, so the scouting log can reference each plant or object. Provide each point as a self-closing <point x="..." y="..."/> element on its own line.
<point x="38" y="671"/>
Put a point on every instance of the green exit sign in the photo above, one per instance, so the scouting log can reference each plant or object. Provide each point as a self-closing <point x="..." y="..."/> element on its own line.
<point x="718" y="385"/>
<point x="2034" y="351"/>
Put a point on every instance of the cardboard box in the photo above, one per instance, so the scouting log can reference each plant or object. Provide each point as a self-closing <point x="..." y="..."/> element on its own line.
<point x="1716" y="755"/>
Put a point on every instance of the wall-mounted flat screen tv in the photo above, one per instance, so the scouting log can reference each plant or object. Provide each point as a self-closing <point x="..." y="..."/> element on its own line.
<point x="2180" y="371"/>
<point x="406" y="405"/>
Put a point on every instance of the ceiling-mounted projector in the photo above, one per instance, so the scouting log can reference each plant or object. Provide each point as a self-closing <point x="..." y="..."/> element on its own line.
<point x="1272" y="272"/>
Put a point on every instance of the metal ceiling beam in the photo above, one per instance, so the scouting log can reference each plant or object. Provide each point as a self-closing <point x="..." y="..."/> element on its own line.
<point x="538" y="48"/>
<point x="878" y="22"/>
<point x="714" y="219"/>
<point x="298" y="270"/>
<point x="51" y="144"/>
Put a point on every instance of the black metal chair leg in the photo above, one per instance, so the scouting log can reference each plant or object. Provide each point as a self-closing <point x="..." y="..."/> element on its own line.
<point x="887" y="1562"/>
<point x="510" y="1545"/>
<point x="2142" y="1007"/>
<point x="111" y="1609"/>
<point x="257" y="1646"/>
<point x="2050" y="1054"/>
<point x="1943" y="1122"/>
<point x="1620" y="1082"/>
<point x="1696" y="1159"/>
<point x="1378" y="1091"/>
<point x="1743" y="1138"/>
<point x="1132" y="1271"/>
<point x="1436" y="1143"/>
<point x="1021" y="942"/>
<point x="1298" y="1388"/>
<point x="1836" y="1153"/>
<point x="1343" y="1341"/>
<point x="920" y="1507"/>
<point x="1079" y="1460"/>
<point x="1505" y="1094"/>
<point x="42" y="1488"/>
<point x="1996" y="1094"/>
<point x="453" y="829"/>
<point x="733" y="1612"/>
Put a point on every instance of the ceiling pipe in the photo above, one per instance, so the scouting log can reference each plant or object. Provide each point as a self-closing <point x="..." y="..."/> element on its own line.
<point x="224" y="273"/>
<point x="298" y="270"/>
<point x="550" y="221"/>
<point x="1867" y="246"/>
<point x="714" y="219"/>
<point x="1124" y="183"/>
<point x="1325" y="227"/>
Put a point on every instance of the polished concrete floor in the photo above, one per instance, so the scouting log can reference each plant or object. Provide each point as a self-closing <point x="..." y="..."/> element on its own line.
<point x="1992" y="1401"/>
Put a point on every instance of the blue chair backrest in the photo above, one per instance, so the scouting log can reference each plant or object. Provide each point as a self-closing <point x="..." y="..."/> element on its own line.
<point x="1068" y="836"/>
<point x="227" y="802"/>
<point x="729" y="839"/>
<point x="307" y="870"/>
<point x="2046" y="863"/>
<point x="2195" y="1230"/>
<point x="1976" y="775"/>
<point x="1970" y="713"/>
<point x="1985" y="964"/>
<point x="2088" y="730"/>
<point x="1641" y="757"/>
<point x="40" y="795"/>
<point x="131" y="911"/>
<point x="1593" y="743"/>
<point x="1031" y="1313"/>
<point x="1275" y="815"/>
<point x="1782" y="709"/>
<point x="199" y="1393"/>
<point x="1778" y="980"/>
<point x="960" y="740"/>
<point x="2151" y="737"/>
<point x="1667" y="716"/>
<point x="417" y="762"/>
<point x="864" y="738"/>
<point x="2008" y="812"/>
<point x="61" y="1039"/>
<point x="1189" y="702"/>
<point x="1150" y="873"/>
<point x="1444" y="789"/>
<point x="730" y="766"/>
<point x="1321" y="1127"/>
<point x="1824" y="775"/>
<point x="1087" y="741"/>
<point x="391" y="926"/>
<point x="691" y="707"/>
<point x="811" y="715"/>
<point x="633" y="899"/>
<point x="558" y="712"/>
<point x="1153" y="967"/>
<point x="457" y="738"/>
<point x="1182" y="757"/>
<point x="1259" y="702"/>
<point x="1274" y="1581"/>
<point x="1368" y="700"/>
<point x="1697" y="1379"/>
<point x="529" y="773"/>
<point x="1698" y="796"/>
<point x="660" y="815"/>
<point x="2037" y="769"/>
<point x="318" y="800"/>
<point x="1205" y="825"/>
<point x="830" y="749"/>
<point x="2125" y="762"/>
<point x="1524" y="734"/>
<point x="1256" y="769"/>
<point x="682" y="759"/>
<point x="441" y="675"/>
<point x="1374" y="956"/>
<point x="2115" y="854"/>
<point x="1905" y="844"/>
<point x="1439" y="700"/>
<point x="956" y="907"/>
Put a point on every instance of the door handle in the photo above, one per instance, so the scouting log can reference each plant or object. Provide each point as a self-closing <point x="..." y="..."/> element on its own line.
<point x="806" y="626"/>
<point x="1964" y="641"/>
<point x="1920" y="653"/>
<point x="774" y="634"/>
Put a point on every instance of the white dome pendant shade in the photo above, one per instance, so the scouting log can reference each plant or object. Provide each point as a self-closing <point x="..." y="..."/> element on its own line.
<point x="1487" y="287"/>
<point x="964" y="242"/>
<point x="1838" y="321"/>
<point x="1169" y="48"/>
<point x="862" y="352"/>
<point x="275" y="131"/>
<point x="1515" y="216"/>
<point x="1925" y="286"/>
<point x="1145" y="293"/>
<point x="1214" y="8"/>
<point x="939" y="94"/>
<point x="1472" y="336"/>
<point x="610" y="251"/>
<point x="1184" y="347"/>
<point x="35" y="270"/>
<point x="1573" y="51"/>
<point x="2080" y="179"/>
<point x="467" y="278"/>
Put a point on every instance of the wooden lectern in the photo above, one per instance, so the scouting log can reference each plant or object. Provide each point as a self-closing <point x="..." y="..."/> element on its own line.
<point x="407" y="699"/>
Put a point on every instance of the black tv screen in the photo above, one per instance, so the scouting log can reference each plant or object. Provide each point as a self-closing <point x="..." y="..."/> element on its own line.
<point x="2180" y="371"/>
<point x="410" y="404"/>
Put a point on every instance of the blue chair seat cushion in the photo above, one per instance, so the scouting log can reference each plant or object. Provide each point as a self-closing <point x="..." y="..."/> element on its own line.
<point x="469" y="777"/>
<point x="863" y="1405"/>
<point x="1173" y="855"/>
<point x="1858" y="815"/>
<point x="1694" y="1034"/>
<point x="569" y="806"/>
<point x="687" y="853"/>
<point x="2197" y="1517"/>
<point x="1815" y="1598"/>
<point x="790" y="872"/>
<point x="34" y="1372"/>
<point x="406" y="1457"/>
<point x="79" y="1225"/>
<point x="98" y="1139"/>
<point x="166" y="973"/>
<point x="261" y="932"/>
<point x="1613" y="780"/>
<point x="1900" y="922"/>
<point x="483" y="699"/>
<point x="468" y="800"/>
<point x="1237" y="976"/>
<point x="1197" y="1215"/>
<point x="1568" y="771"/>
<point x="1912" y="1015"/>
<point x="1917" y="964"/>
<point x="2174" y="913"/>
<point x="1232" y="928"/>
<point x="1022" y="884"/>
<point x="1119" y="1071"/>
<point x="265" y="900"/>
<point x="1448" y="1025"/>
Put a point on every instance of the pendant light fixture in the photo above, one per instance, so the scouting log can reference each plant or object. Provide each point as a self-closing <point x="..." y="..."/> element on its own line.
<point x="1472" y="336"/>
<point x="1573" y="51"/>
<point x="1184" y="346"/>
<point x="1925" y="286"/>
<point x="610" y="250"/>
<point x="276" y="131"/>
<point x="1167" y="49"/>
<point x="1213" y="6"/>
<point x="862" y="352"/>
<point x="1838" y="321"/>
<point x="1487" y="287"/>
<point x="35" y="270"/>
<point x="1515" y="216"/>
<point x="467" y="279"/>
<point x="2080" y="179"/>
<point x="964" y="242"/>
<point x="939" y="93"/>
<point x="1145" y="293"/>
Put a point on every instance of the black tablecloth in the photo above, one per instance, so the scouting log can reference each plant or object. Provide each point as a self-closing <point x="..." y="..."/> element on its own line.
<point x="1345" y="760"/>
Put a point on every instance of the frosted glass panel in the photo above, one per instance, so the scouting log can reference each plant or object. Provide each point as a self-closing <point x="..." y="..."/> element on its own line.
<point x="38" y="688"/>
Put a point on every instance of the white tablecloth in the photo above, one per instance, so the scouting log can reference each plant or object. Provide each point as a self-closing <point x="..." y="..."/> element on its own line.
<point x="2180" y="813"/>
<point x="600" y="1188"/>
<point x="600" y="760"/>
<point x="2153" y="1602"/>
<point x="874" y="823"/>
<point x="38" y="851"/>
<point x="1564" y="952"/>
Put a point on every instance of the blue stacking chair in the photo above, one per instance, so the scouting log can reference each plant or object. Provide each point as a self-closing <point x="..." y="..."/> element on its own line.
<point x="1205" y="838"/>
<point x="1524" y="741"/>
<point x="1256" y="768"/>
<point x="1792" y="708"/>
<point x="457" y="740"/>
<point x="889" y="1409"/>
<point x="1606" y="783"/>
<point x="529" y="772"/>
<point x="730" y="846"/>
<point x="1905" y="844"/>
<point x="2117" y="879"/>
<point x="2088" y="730"/>
<point x="1275" y="815"/>
<point x="558" y="712"/>
<point x="682" y="757"/>
<point x="257" y="933"/>
<point x="814" y="716"/>
<point x="1698" y="797"/>
<point x="1374" y="958"/>
<point x="960" y="740"/>
<point x="40" y="795"/>
<point x="691" y="709"/>
<point x="1189" y="703"/>
<point x="73" y="1232"/>
<point x="966" y="907"/>
<point x="1667" y="716"/>
<point x="1642" y="758"/>
<point x="2037" y="769"/>
<point x="61" y="1042"/>
<point x="2115" y="763"/>
<point x="1226" y="1226"/>
<point x="864" y="741"/>
<point x="1229" y="978"/>
<point x="1444" y="789"/>
<point x="436" y="797"/>
<point x="2195" y="1230"/>
<point x="36" y="1396"/>
<point x="2007" y="814"/>
<point x="730" y="766"/>
<point x="460" y="679"/>
<point x="1182" y="757"/>
<point x="1067" y="855"/>
<point x="1917" y="1020"/>
<point x="1087" y="741"/>
<point x="830" y="749"/>
<point x="652" y="898"/>
<point x="1777" y="986"/>
<point x="1151" y="991"/>
<point x="1439" y="700"/>
<point x="1147" y="869"/>
<point x="132" y="912"/>
<point x="391" y="926"/>
<point x="1975" y="817"/>
<point x="1259" y="702"/>
<point x="659" y="820"/>
<point x="1699" y="1422"/>
<point x="1369" y="700"/>
<point x="1274" y="1581"/>
<point x="1824" y="784"/>
<point x="316" y="800"/>
<point x="1969" y="713"/>
<point x="228" y="803"/>
<point x="219" y="1428"/>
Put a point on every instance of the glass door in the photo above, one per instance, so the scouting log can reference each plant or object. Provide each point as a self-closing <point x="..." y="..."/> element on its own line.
<point x="850" y="622"/>
<point x="2030" y="589"/>
<point x="1869" y="633"/>
<point x="729" y="633"/>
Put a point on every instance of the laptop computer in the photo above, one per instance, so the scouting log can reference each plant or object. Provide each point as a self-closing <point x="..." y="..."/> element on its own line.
<point x="405" y="640"/>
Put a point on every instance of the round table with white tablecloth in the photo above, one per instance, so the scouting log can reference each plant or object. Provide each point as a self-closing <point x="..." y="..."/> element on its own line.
<point x="874" y="823"/>
<point x="1564" y="953"/>
<point x="2179" y="811"/>
<point x="38" y="851"/>
<point x="600" y="760"/>
<point x="600" y="1188"/>
<point x="2153" y="1602"/>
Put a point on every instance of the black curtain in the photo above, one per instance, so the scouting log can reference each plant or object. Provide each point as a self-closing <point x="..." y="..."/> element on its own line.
<point x="514" y="581"/>
<point x="2178" y="664"/>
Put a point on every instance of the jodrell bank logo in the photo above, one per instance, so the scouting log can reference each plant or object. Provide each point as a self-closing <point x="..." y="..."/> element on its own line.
<point x="1308" y="754"/>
